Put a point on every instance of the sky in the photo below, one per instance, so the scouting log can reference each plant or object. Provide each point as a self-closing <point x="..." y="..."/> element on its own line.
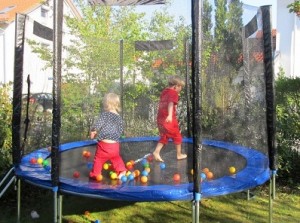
<point x="183" y="7"/>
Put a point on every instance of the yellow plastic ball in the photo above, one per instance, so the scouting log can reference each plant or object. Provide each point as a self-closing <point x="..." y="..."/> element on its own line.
<point x="105" y="166"/>
<point x="40" y="160"/>
<point x="144" y="179"/>
<point x="113" y="176"/>
<point x="232" y="170"/>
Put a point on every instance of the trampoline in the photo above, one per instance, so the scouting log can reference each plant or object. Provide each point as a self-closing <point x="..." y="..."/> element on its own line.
<point x="252" y="170"/>
<point x="226" y="114"/>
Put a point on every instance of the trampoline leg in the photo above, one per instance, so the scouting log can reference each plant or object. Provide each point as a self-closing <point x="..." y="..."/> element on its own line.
<point x="196" y="206"/>
<point x="196" y="211"/>
<point x="271" y="197"/>
<point x="55" y="202"/>
<point x="60" y="198"/>
<point x="18" y="200"/>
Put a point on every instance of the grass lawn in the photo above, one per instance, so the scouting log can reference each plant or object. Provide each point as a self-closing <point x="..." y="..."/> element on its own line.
<point x="234" y="208"/>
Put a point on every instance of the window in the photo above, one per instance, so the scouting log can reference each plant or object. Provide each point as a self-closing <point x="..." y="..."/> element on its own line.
<point x="44" y="12"/>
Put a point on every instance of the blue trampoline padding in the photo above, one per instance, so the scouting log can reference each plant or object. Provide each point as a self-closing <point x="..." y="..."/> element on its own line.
<point x="255" y="173"/>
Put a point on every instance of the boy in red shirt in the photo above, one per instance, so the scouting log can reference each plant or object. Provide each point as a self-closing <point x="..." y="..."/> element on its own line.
<point x="167" y="119"/>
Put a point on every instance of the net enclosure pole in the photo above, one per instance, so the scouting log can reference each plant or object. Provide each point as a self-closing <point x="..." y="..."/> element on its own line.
<point x="270" y="99"/>
<point x="196" y="103"/>
<point x="17" y="100"/>
<point x="56" y="90"/>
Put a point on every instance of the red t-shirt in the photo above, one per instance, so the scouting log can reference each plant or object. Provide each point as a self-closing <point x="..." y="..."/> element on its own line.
<point x="167" y="95"/>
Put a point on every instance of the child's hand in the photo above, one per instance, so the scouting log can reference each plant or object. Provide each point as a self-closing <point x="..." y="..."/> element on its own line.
<point x="169" y="119"/>
<point x="93" y="134"/>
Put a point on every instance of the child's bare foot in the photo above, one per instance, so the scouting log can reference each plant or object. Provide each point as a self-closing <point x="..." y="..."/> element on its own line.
<point x="181" y="156"/>
<point x="157" y="157"/>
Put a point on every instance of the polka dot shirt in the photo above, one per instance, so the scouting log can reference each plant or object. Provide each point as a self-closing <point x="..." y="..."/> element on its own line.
<point x="109" y="125"/>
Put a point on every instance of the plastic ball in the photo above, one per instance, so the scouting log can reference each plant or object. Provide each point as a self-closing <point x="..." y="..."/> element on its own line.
<point x="162" y="166"/>
<point x="147" y="169"/>
<point x="205" y="170"/>
<point x="106" y="166"/>
<point x="87" y="213"/>
<point x="132" y="161"/>
<point x="123" y="179"/>
<point x="45" y="163"/>
<point x="113" y="176"/>
<point x="129" y="165"/>
<point x="76" y="174"/>
<point x="176" y="177"/>
<point x="33" y="160"/>
<point x="209" y="175"/>
<point x="146" y="165"/>
<point x="144" y="161"/>
<point x="145" y="173"/>
<point x="40" y="160"/>
<point x="144" y="179"/>
<point x="232" y="170"/>
<point x="150" y="158"/>
<point x="130" y="177"/>
<point x="128" y="173"/>
<point x="203" y="176"/>
<point x="87" y="154"/>
<point x="84" y="153"/>
<point x="192" y="171"/>
<point x="99" y="177"/>
<point x="89" y="165"/>
<point x="137" y="173"/>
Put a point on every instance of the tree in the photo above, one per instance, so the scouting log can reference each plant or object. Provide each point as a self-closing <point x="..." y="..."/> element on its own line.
<point x="92" y="61"/>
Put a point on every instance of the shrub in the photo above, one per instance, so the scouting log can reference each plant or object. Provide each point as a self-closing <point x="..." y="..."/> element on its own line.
<point x="5" y="126"/>
<point x="288" y="129"/>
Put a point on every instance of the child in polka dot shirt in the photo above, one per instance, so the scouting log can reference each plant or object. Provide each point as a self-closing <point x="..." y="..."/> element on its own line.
<point x="107" y="130"/>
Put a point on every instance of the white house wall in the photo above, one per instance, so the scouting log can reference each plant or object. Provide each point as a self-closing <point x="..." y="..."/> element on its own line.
<point x="41" y="77"/>
<point x="288" y="49"/>
<point x="7" y="47"/>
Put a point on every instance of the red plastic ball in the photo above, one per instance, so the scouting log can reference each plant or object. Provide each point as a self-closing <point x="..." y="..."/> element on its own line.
<point x="176" y="177"/>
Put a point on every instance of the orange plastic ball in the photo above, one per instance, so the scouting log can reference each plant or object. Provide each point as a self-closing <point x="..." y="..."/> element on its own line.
<point x="137" y="173"/>
<point x="129" y="165"/>
<point x="99" y="177"/>
<point x="209" y="175"/>
<point x="87" y="154"/>
<point x="205" y="170"/>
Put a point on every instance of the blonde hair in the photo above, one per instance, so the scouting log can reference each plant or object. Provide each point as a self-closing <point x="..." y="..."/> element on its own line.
<point x="111" y="101"/>
<point x="176" y="80"/>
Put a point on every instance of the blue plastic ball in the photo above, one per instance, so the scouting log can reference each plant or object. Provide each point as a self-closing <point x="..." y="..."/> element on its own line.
<point x="145" y="173"/>
<point x="130" y="177"/>
<point x="123" y="179"/>
<point x="144" y="161"/>
<point x="203" y="176"/>
<point x="89" y="165"/>
<point x="162" y="166"/>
